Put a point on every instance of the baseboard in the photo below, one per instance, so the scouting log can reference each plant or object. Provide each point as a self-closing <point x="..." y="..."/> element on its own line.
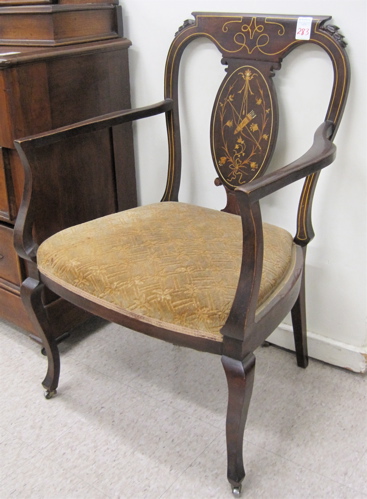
<point x="324" y="349"/>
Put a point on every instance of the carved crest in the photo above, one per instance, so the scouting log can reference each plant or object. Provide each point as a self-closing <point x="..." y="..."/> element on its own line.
<point x="334" y="32"/>
<point x="243" y="126"/>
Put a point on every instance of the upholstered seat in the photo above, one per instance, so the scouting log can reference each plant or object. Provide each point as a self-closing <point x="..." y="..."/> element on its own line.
<point x="172" y="263"/>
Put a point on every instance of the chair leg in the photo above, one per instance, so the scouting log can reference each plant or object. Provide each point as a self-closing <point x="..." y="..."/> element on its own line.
<point x="31" y="293"/>
<point x="299" y="326"/>
<point x="240" y="379"/>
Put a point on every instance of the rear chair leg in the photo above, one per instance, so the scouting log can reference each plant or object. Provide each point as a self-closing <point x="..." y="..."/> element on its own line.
<point x="299" y="326"/>
<point x="240" y="379"/>
<point x="31" y="293"/>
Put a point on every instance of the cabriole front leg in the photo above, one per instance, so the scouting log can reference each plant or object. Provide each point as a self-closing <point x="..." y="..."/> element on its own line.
<point x="240" y="379"/>
<point x="31" y="293"/>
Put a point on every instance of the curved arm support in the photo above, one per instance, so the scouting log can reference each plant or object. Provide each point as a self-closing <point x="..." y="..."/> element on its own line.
<point x="321" y="154"/>
<point x="23" y="236"/>
<point x="244" y="304"/>
<point x="24" y="243"/>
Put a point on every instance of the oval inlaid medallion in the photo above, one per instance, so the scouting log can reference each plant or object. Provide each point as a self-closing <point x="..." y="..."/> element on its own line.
<point x="242" y="125"/>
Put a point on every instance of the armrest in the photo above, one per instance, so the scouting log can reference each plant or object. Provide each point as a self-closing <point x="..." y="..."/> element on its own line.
<point x="321" y="154"/>
<point x="104" y="121"/>
<point x="24" y="241"/>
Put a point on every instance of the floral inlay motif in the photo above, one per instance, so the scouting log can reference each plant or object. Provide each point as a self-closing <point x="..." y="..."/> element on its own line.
<point x="243" y="121"/>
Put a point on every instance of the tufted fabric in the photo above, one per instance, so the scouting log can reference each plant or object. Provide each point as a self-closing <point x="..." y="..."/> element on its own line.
<point x="168" y="263"/>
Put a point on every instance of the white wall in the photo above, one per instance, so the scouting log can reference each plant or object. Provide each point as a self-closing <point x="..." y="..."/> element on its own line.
<point x="336" y="265"/>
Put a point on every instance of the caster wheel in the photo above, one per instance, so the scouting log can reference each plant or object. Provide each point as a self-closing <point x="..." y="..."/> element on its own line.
<point x="236" y="491"/>
<point x="49" y="394"/>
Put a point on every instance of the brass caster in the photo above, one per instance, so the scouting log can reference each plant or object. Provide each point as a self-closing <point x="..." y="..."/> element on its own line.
<point x="236" y="491"/>
<point x="49" y="394"/>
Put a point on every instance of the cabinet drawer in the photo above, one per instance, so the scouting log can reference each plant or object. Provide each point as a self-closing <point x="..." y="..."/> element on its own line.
<point x="10" y="266"/>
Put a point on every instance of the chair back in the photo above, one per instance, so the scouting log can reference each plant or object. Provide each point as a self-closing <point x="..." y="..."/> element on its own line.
<point x="244" y="123"/>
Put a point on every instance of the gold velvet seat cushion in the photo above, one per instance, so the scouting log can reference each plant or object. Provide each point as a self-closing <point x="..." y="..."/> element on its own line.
<point x="168" y="263"/>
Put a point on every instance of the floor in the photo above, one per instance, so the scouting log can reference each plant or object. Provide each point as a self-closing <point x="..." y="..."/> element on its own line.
<point x="137" y="418"/>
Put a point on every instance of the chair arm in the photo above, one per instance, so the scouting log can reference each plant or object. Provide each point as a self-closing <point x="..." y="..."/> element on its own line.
<point x="23" y="232"/>
<point x="243" y="310"/>
<point x="104" y="121"/>
<point x="321" y="154"/>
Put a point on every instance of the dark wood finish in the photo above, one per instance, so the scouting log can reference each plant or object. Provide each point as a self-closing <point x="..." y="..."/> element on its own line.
<point x="7" y="3"/>
<point x="97" y="134"/>
<point x="41" y="89"/>
<point x="240" y="378"/>
<point x="243" y="132"/>
<point x="33" y="298"/>
<point x="11" y="184"/>
<point x="5" y="195"/>
<point x="10" y="266"/>
<point x="299" y="323"/>
<point x="54" y="25"/>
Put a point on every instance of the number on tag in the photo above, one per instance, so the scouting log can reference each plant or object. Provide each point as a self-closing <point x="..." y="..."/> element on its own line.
<point x="303" y="30"/>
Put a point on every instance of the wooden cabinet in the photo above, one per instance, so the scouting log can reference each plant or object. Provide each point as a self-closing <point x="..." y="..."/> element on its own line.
<point x="42" y="88"/>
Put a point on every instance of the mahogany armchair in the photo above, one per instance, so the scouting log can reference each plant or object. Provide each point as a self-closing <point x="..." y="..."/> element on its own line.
<point x="215" y="281"/>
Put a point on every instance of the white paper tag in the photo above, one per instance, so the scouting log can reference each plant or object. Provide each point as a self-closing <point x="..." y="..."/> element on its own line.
<point x="303" y="30"/>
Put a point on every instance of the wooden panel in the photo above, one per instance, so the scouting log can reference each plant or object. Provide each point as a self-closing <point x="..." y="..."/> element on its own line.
<point x="73" y="2"/>
<point x="75" y="182"/>
<point x="4" y="200"/>
<point x="17" y="181"/>
<point x="7" y="3"/>
<point x="4" y="3"/>
<point x="10" y="267"/>
<point x="39" y="92"/>
<point x="52" y="25"/>
<point x="81" y="88"/>
<point x="6" y="127"/>
<point x="11" y="184"/>
<point x="11" y="276"/>
<point x="27" y="93"/>
<point x="12" y="309"/>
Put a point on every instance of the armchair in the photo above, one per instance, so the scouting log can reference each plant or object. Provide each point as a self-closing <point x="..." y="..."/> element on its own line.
<point x="215" y="281"/>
